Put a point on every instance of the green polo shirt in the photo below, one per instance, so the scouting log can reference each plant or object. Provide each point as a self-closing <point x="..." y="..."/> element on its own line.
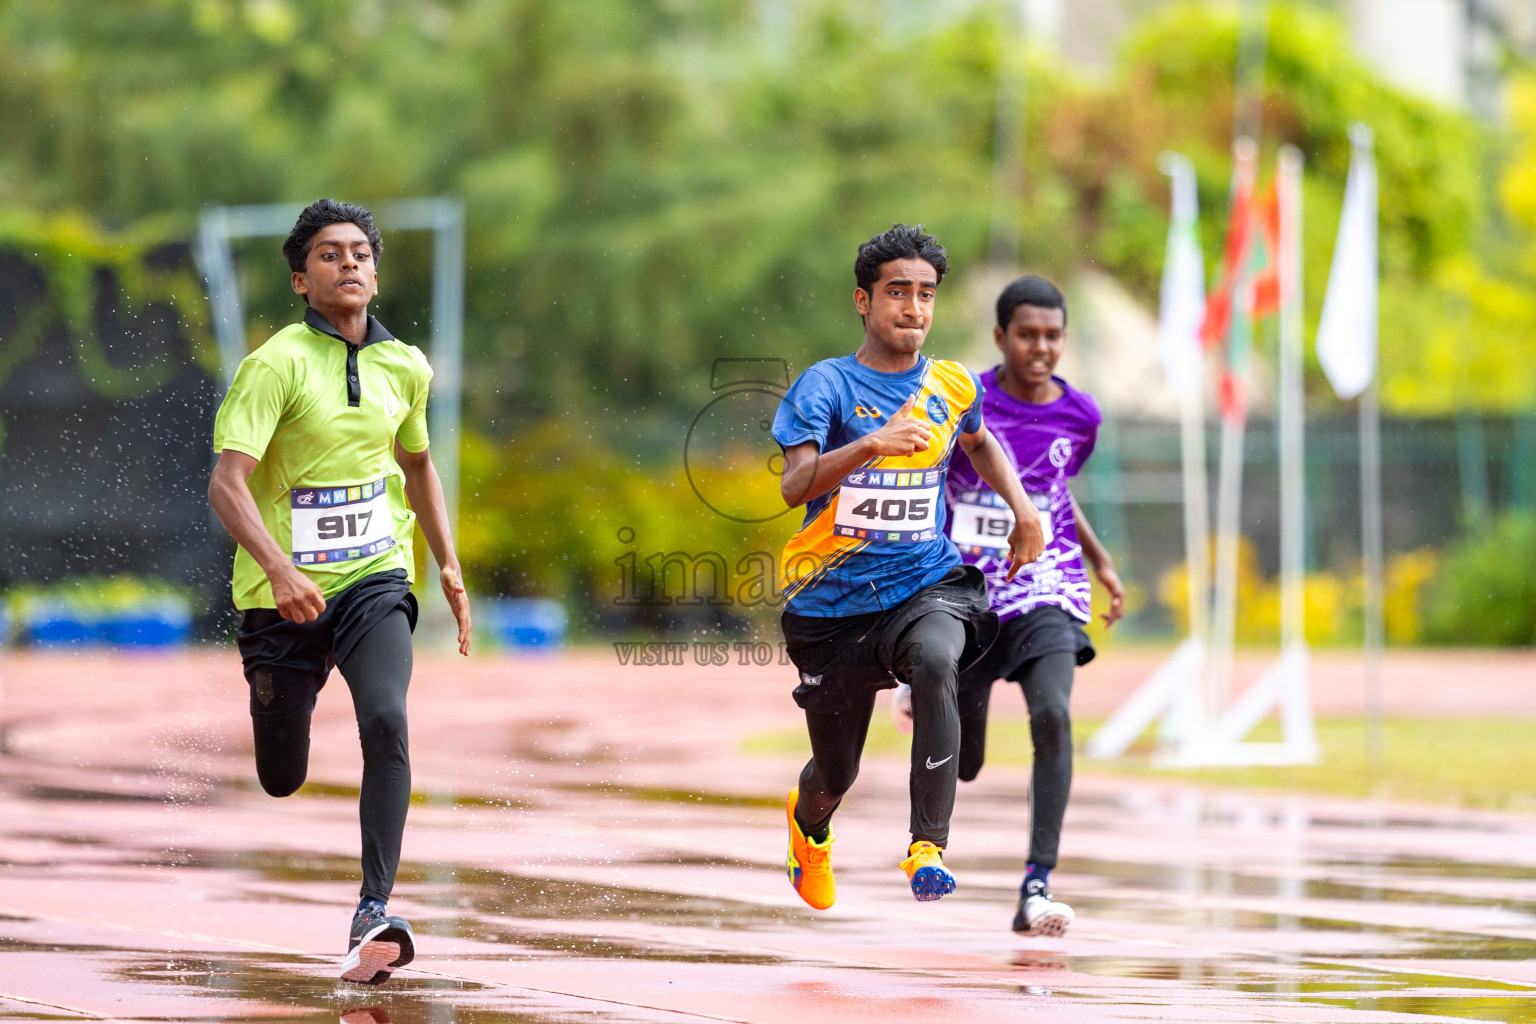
<point x="327" y="484"/>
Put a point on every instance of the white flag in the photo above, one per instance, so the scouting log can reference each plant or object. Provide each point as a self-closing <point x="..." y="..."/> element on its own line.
<point x="1346" y="336"/>
<point x="1183" y="293"/>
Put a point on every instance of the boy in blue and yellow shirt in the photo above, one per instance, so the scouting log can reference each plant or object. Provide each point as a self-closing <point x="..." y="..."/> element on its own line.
<point x="876" y="593"/>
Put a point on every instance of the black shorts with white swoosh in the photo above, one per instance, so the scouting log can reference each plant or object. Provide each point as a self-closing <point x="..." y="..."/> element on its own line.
<point x="841" y="658"/>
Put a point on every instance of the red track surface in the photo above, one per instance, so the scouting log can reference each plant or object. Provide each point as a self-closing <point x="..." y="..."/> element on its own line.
<point x="592" y="844"/>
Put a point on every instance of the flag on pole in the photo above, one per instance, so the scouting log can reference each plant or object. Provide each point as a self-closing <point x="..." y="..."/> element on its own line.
<point x="1182" y="307"/>
<point x="1346" y="335"/>
<point x="1219" y="307"/>
<point x="1264" y="254"/>
<point x="1248" y="283"/>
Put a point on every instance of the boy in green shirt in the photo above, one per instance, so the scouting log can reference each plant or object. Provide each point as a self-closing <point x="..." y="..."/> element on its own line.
<point x="323" y="473"/>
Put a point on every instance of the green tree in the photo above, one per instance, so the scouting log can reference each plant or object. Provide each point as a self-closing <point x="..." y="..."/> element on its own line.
<point x="652" y="184"/>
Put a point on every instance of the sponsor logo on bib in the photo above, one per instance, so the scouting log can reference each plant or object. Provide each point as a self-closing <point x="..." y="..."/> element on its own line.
<point x="889" y="506"/>
<point x="340" y="524"/>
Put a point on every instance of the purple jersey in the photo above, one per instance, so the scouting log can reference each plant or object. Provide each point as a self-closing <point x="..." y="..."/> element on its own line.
<point x="1046" y="444"/>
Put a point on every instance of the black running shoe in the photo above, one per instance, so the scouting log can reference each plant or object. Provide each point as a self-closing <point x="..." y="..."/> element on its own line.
<point x="379" y="944"/>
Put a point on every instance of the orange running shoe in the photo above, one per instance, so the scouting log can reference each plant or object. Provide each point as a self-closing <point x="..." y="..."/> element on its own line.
<point x="809" y="862"/>
<point x="925" y="869"/>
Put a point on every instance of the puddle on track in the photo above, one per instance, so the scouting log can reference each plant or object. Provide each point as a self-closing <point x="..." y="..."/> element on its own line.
<point x="1197" y="878"/>
<point x="1313" y="981"/>
<point x="1304" y="976"/>
<point x="297" y="984"/>
<point x="505" y="909"/>
<point x="515" y="896"/>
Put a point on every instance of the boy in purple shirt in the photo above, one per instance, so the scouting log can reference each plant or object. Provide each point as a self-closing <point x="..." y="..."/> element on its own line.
<point x="1048" y="428"/>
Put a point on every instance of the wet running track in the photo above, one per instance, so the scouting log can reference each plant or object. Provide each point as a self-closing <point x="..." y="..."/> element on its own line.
<point x="589" y="844"/>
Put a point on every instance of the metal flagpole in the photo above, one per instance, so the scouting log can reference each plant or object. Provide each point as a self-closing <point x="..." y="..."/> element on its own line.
<point x="1347" y="334"/>
<point x="1229" y="494"/>
<point x="1371" y="545"/>
<point x="1292" y="411"/>
<point x="1194" y="683"/>
<point x="1189" y="715"/>
<point x="1181" y="313"/>
<point x="1247" y="114"/>
<point x="1284" y="683"/>
<point x="1197" y="513"/>
<point x="1229" y="480"/>
<point x="1173" y="690"/>
<point x="1299" y="731"/>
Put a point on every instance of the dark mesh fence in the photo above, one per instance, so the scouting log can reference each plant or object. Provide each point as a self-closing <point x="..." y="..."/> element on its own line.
<point x="104" y="441"/>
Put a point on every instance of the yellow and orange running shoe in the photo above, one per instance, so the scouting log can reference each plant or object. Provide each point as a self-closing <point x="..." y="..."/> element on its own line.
<point x="809" y="862"/>
<point x="925" y="869"/>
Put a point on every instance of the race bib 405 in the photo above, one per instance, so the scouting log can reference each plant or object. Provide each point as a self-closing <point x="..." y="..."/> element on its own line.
<point x="340" y="524"/>
<point x="885" y="506"/>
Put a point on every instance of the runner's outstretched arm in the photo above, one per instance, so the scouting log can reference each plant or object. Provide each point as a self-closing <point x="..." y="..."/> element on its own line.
<point x="808" y="475"/>
<point x="425" y="492"/>
<point x="1027" y="541"/>
<point x="1103" y="565"/>
<point x="295" y="594"/>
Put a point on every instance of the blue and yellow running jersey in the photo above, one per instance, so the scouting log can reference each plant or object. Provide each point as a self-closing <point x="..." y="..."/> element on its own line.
<point x="878" y="537"/>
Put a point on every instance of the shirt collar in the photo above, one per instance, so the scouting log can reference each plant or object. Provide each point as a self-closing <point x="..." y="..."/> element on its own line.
<point x="376" y="330"/>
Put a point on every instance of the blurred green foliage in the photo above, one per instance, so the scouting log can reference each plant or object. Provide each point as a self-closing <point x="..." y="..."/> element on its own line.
<point x="1481" y="349"/>
<point x="586" y="529"/>
<point x="93" y="595"/>
<point x="1333" y="602"/>
<point x="75" y="258"/>
<point x="1484" y="593"/>
<point x="652" y="184"/>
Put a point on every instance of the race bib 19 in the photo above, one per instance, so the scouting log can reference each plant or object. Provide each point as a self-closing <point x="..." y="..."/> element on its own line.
<point x="981" y="521"/>
<point x="886" y="507"/>
<point x="340" y="524"/>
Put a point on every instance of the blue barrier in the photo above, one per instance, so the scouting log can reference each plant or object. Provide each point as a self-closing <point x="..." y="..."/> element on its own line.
<point x="530" y="622"/>
<point x="163" y="622"/>
<point x="49" y="623"/>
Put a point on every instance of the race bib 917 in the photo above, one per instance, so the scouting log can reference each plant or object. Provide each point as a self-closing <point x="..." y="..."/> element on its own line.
<point x="340" y="524"/>
<point x="981" y="521"/>
<point x="889" y="507"/>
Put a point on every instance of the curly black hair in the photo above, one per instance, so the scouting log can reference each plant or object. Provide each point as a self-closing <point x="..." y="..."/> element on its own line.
<point x="320" y="214"/>
<point x="902" y="242"/>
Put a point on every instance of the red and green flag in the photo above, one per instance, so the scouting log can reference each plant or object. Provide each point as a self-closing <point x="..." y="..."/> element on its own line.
<point x="1247" y="284"/>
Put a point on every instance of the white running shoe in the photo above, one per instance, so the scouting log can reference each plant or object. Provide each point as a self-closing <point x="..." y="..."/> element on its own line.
<point x="901" y="709"/>
<point x="1038" y="914"/>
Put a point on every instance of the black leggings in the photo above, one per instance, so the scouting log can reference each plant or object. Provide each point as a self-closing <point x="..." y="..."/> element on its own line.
<point x="378" y="672"/>
<point x="1047" y="683"/>
<point x="927" y="659"/>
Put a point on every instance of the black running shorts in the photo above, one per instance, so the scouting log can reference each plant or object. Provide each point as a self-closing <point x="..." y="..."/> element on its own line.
<point x="842" y="658"/>
<point x="287" y="663"/>
<point x="1023" y="638"/>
